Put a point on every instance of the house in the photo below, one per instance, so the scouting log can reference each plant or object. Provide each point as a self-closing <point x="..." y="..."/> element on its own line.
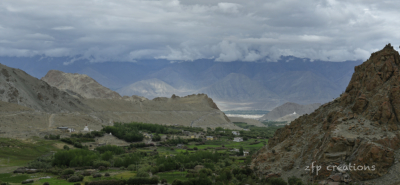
<point x="65" y="129"/>
<point x="210" y="138"/>
<point x="180" y="146"/>
<point x="245" y="153"/>
<point x="238" y="139"/>
<point x="236" y="133"/>
<point x="147" y="136"/>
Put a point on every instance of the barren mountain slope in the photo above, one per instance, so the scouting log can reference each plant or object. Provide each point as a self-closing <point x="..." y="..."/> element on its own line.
<point x="289" y="108"/>
<point x="193" y="110"/>
<point x="360" y="127"/>
<point x="18" y="87"/>
<point x="79" y="84"/>
<point x="31" y="107"/>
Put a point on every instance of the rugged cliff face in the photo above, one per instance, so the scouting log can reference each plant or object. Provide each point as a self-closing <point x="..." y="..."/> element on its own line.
<point x="289" y="108"/>
<point x="361" y="127"/>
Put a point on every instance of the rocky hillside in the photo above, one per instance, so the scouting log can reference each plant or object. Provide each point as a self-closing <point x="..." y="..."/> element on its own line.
<point x="78" y="85"/>
<point x="288" y="109"/>
<point x="31" y="107"/>
<point x="360" y="128"/>
<point x="18" y="87"/>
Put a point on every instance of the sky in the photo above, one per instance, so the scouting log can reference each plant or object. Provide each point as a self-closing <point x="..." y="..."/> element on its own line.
<point x="187" y="30"/>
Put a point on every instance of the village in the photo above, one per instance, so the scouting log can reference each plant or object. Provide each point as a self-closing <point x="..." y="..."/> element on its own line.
<point x="217" y="139"/>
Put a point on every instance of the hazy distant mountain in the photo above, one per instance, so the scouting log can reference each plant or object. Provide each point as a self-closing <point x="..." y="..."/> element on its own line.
<point x="289" y="108"/>
<point x="235" y="85"/>
<point x="240" y="88"/>
<point x="150" y="88"/>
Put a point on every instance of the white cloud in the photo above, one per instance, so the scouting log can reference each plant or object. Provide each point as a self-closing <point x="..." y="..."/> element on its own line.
<point x="230" y="30"/>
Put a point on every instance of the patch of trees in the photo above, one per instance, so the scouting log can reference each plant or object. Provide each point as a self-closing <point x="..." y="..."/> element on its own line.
<point x="92" y="134"/>
<point x="189" y="160"/>
<point x="74" y="158"/>
<point x="52" y="137"/>
<point x="128" y="132"/>
<point x="111" y="148"/>
<point x="175" y="141"/>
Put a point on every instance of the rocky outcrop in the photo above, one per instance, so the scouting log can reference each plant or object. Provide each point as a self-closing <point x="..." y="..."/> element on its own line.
<point x="288" y="109"/>
<point x="18" y="87"/>
<point x="78" y="85"/>
<point x="359" y="129"/>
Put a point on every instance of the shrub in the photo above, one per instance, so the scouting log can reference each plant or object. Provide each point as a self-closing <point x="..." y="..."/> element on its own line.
<point x="276" y="181"/>
<point x="75" y="178"/>
<point x="78" y="145"/>
<point x="142" y="174"/>
<point x="86" y="183"/>
<point x="131" y="167"/>
<point x="177" y="182"/>
<point x="163" y="181"/>
<point x="112" y="148"/>
<point x="77" y="184"/>
<point x="86" y="173"/>
<point x="106" y="182"/>
<point x="40" y="164"/>
<point x="195" y="148"/>
<point x="46" y="183"/>
<point x="294" y="181"/>
<point x="97" y="164"/>
<point x="96" y="175"/>
<point x="68" y="172"/>
<point x="66" y="147"/>
<point x="107" y="175"/>
<point x="141" y="180"/>
<point x="102" y="168"/>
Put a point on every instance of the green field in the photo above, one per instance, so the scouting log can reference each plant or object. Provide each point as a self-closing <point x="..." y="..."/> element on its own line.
<point x="171" y="176"/>
<point x="9" y="177"/>
<point x="15" y="152"/>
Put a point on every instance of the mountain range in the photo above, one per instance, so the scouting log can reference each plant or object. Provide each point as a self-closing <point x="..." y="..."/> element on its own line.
<point x="232" y="85"/>
<point x="33" y="107"/>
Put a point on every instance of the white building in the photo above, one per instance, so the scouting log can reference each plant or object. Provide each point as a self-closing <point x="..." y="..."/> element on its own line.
<point x="238" y="139"/>
<point x="86" y="129"/>
<point x="245" y="153"/>
<point x="236" y="133"/>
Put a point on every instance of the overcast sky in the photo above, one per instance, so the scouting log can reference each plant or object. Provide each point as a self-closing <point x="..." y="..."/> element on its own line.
<point x="230" y="30"/>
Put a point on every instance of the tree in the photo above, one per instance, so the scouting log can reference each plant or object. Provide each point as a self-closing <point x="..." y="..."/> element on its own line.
<point x="241" y="151"/>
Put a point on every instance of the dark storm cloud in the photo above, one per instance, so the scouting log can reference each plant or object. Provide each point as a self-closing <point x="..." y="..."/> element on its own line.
<point x="126" y="30"/>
